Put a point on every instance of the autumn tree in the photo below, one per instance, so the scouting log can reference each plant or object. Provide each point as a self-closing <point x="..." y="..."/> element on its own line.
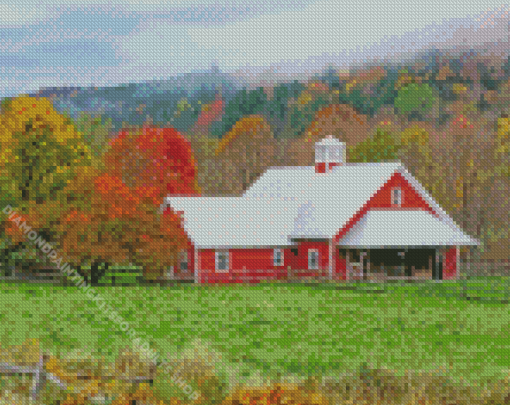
<point x="159" y="159"/>
<point x="250" y="146"/>
<point x="101" y="221"/>
<point x="220" y="176"/>
<point x="302" y="111"/>
<point x="466" y="175"/>
<point x="340" y="120"/>
<point x="381" y="147"/>
<point x="116" y="224"/>
<point x="95" y="130"/>
<point x="209" y="113"/>
<point x="153" y="162"/>
<point x="40" y="151"/>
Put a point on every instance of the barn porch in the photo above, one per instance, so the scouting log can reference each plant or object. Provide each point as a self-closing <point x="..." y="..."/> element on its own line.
<point x="401" y="263"/>
<point x="402" y="244"/>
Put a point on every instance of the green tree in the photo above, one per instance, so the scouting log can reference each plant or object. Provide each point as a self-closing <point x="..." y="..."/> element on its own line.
<point x="95" y="130"/>
<point x="244" y="103"/>
<point x="383" y="146"/>
<point x="415" y="98"/>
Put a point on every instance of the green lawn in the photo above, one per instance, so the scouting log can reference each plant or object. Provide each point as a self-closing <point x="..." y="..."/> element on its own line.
<point x="282" y="328"/>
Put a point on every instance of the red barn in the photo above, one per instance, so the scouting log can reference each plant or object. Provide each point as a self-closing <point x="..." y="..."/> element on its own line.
<point x="336" y="220"/>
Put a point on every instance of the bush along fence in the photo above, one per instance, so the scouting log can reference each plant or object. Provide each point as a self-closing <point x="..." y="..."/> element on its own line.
<point x="131" y="380"/>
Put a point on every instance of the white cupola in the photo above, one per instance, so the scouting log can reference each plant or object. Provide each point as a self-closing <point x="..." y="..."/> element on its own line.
<point x="329" y="152"/>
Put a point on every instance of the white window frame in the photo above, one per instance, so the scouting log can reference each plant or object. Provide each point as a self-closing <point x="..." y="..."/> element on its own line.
<point x="393" y="193"/>
<point x="321" y="153"/>
<point x="184" y="258"/>
<point x="310" y="252"/>
<point x="277" y="263"/>
<point x="334" y="154"/>
<point x="217" y="260"/>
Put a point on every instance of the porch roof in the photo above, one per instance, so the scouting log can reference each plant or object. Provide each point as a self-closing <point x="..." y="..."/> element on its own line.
<point x="384" y="228"/>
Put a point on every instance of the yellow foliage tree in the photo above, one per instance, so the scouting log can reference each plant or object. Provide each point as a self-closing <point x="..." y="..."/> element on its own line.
<point x="503" y="138"/>
<point x="40" y="152"/>
<point x="414" y="134"/>
<point x="40" y="149"/>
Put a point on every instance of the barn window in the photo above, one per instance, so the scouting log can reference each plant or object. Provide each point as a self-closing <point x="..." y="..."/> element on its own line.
<point x="277" y="257"/>
<point x="313" y="259"/>
<point x="221" y="261"/>
<point x="396" y="196"/>
<point x="183" y="260"/>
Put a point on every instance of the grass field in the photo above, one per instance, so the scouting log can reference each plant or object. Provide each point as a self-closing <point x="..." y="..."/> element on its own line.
<point x="459" y="328"/>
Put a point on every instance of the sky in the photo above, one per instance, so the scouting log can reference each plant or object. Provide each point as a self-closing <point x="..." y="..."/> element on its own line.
<point x="105" y="43"/>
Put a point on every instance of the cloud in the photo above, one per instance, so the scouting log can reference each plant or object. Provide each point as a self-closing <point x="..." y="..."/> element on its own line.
<point x="16" y="15"/>
<point x="324" y="27"/>
<point x="164" y="45"/>
<point x="82" y="42"/>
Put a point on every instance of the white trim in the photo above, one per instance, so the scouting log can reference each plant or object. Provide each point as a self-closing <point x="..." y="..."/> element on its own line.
<point x="216" y="260"/>
<point x="282" y="258"/>
<point x="399" y="196"/>
<point x="184" y="254"/>
<point x="317" y="259"/>
<point x="457" y="262"/>
<point x="441" y="214"/>
<point x="197" y="266"/>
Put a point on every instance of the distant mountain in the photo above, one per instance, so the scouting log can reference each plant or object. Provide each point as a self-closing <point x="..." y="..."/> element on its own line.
<point x="158" y="99"/>
<point x="177" y="101"/>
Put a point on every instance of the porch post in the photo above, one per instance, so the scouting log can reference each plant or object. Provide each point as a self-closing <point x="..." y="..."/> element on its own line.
<point x="330" y="261"/>
<point x="197" y="266"/>
<point x="440" y="266"/>
<point x="435" y="264"/>
<point x="364" y="268"/>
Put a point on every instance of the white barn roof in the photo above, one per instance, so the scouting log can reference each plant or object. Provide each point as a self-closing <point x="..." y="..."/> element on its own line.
<point x="333" y="198"/>
<point x="222" y="222"/>
<point x="288" y="203"/>
<point x="350" y="182"/>
<point x="384" y="228"/>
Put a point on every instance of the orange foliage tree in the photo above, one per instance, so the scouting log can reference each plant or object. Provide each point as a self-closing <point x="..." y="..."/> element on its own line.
<point x="109" y="222"/>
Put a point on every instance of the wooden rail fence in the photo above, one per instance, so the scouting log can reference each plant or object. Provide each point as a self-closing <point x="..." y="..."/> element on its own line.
<point x="40" y="375"/>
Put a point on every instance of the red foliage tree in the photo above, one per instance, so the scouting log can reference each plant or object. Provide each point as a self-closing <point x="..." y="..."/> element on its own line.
<point x="153" y="161"/>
